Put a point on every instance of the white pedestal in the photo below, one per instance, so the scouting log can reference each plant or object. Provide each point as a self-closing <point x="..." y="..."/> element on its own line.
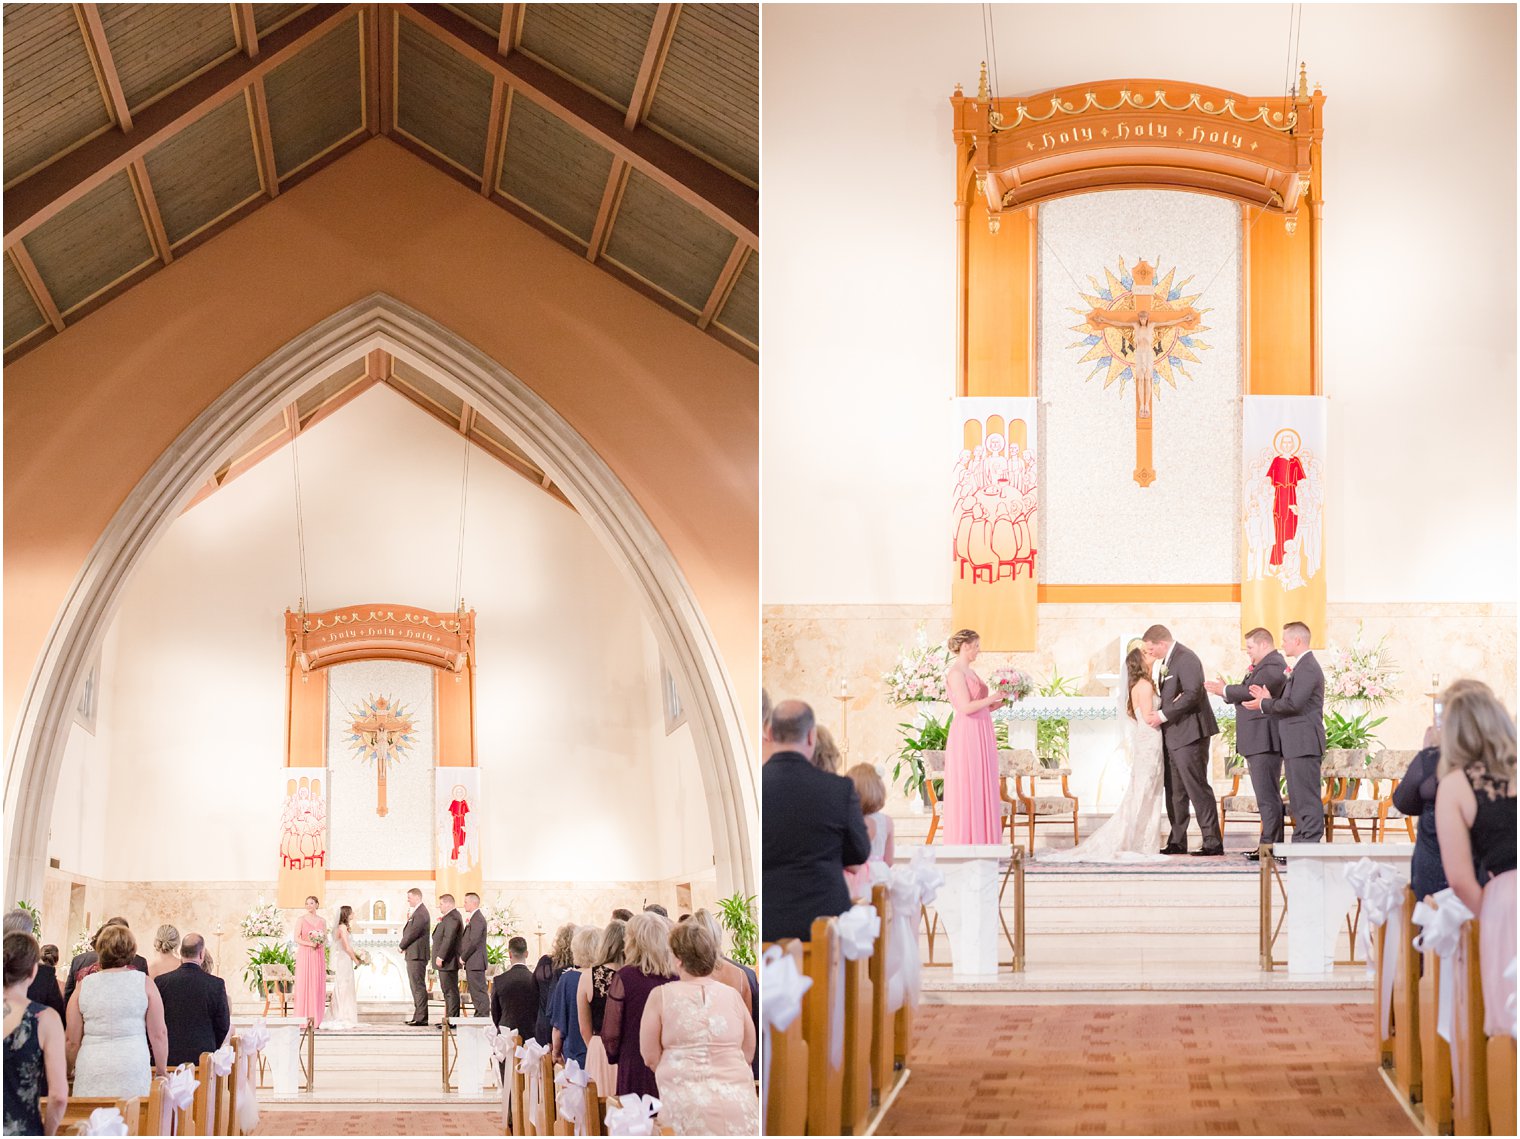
<point x="285" y="1053"/>
<point x="968" y="906"/>
<point x="1319" y="898"/>
<point x="470" y="1070"/>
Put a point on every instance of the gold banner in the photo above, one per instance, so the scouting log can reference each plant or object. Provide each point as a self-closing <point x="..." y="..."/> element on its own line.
<point x="1283" y="502"/>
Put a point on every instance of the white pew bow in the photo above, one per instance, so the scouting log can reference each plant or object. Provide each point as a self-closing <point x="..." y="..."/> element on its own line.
<point x="221" y="1061"/>
<point x="570" y="1094"/>
<point x="1381" y="892"/>
<point x="180" y="1090"/>
<point x="255" y="1037"/>
<point x="930" y="876"/>
<point x="503" y="1049"/>
<point x="104" y="1121"/>
<point x="1510" y="1005"/>
<point x="858" y="927"/>
<point x="529" y="1062"/>
<point x="782" y="986"/>
<point x="634" y="1115"/>
<point x="903" y="965"/>
<point x="1441" y="934"/>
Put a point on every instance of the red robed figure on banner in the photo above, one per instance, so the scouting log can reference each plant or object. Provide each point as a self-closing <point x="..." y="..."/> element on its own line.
<point x="1286" y="472"/>
<point x="459" y="808"/>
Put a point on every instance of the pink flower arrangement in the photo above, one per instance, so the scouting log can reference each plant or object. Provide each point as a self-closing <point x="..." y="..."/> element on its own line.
<point x="1011" y="683"/>
<point x="919" y="674"/>
<point x="1361" y="673"/>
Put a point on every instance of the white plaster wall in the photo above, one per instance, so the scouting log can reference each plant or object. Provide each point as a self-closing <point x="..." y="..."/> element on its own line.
<point x="77" y="833"/>
<point x="193" y="751"/>
<point x="859" y="294"/>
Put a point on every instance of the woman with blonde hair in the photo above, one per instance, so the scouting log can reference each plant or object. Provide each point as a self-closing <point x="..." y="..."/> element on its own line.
<point x="647" y="967"/>
<point x="972" y="811"/>
<point x="699" y="1042"/>
<point x="551" y="966"/>
<point x="564" y="1017"/>
<point x="165" y="952"/>
<point x="1475" y="819"/>
<point x="591" y="1004"/>
<point x="826" y="755"/>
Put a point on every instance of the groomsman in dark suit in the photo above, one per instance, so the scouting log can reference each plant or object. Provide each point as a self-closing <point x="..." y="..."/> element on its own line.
<point x="447" y="935"/>
<point x="1256" y="735"/>
<point x="414" y="947"/>
<point x="1300" y="717"/>
<point x="472" y="952"/>
<point x="514" y="994"/>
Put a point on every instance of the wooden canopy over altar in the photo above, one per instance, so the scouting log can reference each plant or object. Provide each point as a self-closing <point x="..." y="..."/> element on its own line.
<point x="389" y="632"/>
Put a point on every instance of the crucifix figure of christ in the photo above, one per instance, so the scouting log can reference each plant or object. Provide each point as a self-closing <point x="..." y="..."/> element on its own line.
<point x="379" y="731"/>
<point x="1142" y="323"/>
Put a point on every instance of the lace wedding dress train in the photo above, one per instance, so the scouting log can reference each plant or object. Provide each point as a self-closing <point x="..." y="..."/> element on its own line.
<point x="345" y="995"/>
<point x="1133" y="833"/>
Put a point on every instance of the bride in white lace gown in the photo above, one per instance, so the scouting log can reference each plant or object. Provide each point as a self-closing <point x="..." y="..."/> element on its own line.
<point x="1133" y="832"/>
<point x="342" y="955"/>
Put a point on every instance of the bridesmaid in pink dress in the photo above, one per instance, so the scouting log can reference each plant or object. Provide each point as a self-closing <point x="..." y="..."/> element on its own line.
<point x="311" y="964"/>
<point x="972" y="811"/>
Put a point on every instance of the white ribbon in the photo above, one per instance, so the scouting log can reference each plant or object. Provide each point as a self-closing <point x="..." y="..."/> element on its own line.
<point x="570" y="1094"/>
<point x="529" y="1056"/>
<point x="634" y="1115"/>
<point x="253" y="1040"/>
<point x="1381" y="892"/>
<point x="930" y="876"/>
<point x="903" y="958"/>
<point x="255" y="1037"/>
<point x="836" y="1032"/>
<point x="880" y="873"/>
<point x="1441" y="933"/>
<point x="1509" y="1004"/>
<point x="104" y="1121"/>
<point x="858" y="927"/>
<point x="782" y="986"/>
<point x="503" y="1048"/>
<point x="221" y="1061"/>
<point x="180" y="1089"/>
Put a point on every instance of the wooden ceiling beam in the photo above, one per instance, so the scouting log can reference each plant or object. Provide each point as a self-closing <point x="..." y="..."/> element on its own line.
<point x="246" y="29"/>
<point x="263" y="137"/>
<point x="496" y="137"/>
<point x="105" y="65"/>
<point x="721" y="196"/>
<point x="56" y="187"/>
<point x="374" y="75"/>
<point x="291" y="415"/>
<point x="466" y="419"/>
<point x="611" y="194"/>
<point x="147" y="205"/>
<point x="511" y="28"/>
<point x="724" y="284"/>
<point x="24" y="264"/>
<point x="653" y="62"/>
<point x="377" y="365"/>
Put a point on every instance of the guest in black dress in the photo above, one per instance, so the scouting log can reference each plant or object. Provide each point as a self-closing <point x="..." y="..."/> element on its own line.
<point x="35" y="1063"/>
<point x="45" y="989"/>
<point x="1415" y="796"/>
<point x="551" y="966"/>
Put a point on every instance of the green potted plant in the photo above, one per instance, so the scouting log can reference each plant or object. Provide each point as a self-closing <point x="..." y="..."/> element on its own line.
<point x="930" y="736"/>
<point x="737" y="913"/>
<point x="1350" y="738"/>
<point x="268" y="953"/>
<point x="1052" y="738"/>
<point x="36" y="917"/>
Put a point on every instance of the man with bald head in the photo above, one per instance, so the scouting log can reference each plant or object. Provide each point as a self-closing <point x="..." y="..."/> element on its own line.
<point x="813" y="829"/>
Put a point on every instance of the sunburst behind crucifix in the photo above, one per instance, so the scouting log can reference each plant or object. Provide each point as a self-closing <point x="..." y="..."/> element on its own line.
<point x="381" y="733"/>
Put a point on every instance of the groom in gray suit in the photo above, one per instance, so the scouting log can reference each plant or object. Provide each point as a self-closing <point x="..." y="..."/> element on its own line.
<point x="1300" y="717"/>
<point x="1187" y="723"/>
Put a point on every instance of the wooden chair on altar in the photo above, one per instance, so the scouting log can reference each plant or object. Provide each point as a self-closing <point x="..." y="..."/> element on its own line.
<point x="1244" y="806"/>
<point x="1020" y="765"/>
<point x="1385" y="768"/>
<point x="1389" y="766"/>
<point x="786" y="1095"/>
<point x="1341" y="775"/>
<point x="934" y="769"/>
<point x="276" y="978"/>
<point x="823" y="1028"/>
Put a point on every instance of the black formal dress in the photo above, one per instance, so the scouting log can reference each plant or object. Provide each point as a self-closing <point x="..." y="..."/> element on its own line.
<point x="813" y="830"/>
<point x="414" y="947"/>
<point x="195" y="1012"/>
<point x="45" y="991"/>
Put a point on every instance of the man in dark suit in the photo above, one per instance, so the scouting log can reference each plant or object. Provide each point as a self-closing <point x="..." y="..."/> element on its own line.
<point x="195" y="1004"/>
<point x="472" y="953"/>
<point x="514" y="994"/>
<point x="813" y="830"/>
<point x="414" y="947"/>
<point x="1187" y="723"/>
<point x="1256" y="732"/>
<point x="1299" y="714"/>
<point x="447" y="935"/>
<point x="91" y="957"/>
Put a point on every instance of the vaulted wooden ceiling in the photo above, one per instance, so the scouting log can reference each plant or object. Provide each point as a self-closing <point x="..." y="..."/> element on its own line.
<point x="135" y="132"/>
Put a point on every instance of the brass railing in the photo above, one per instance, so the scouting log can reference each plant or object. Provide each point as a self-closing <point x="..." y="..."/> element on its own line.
<point x="450" y="1053"/>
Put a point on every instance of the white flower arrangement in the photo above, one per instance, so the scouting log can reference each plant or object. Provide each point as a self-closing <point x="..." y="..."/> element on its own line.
<point x="500" y="920"/>
<point x="919" y="673"/>
<point x="1361" y="673"/>
<point x="81" y="945"/>
<point x="262" y="921"/>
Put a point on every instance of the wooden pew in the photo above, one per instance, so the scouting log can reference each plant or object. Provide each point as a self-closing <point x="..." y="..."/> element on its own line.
<point x="858" y="997"/>
<point x="881" y="1019"/>
<point x="158" y="1115"/>
<point x="203" y="1109"/>
<point x="1501" y="1085"/>
<point x="594" y="1122"/>
<point x="81" y="1108"/>
<point x="1406" y="1005"/>
<point x="1382" y="945"/>
<point x="1435" y="1054"/>
<point x="1470" y="1098"/>
<point x="823" y="961"/>
<point x="543" y="1124"/>
<point x="243" y="1061"/>
<point x="516" y="1096"/>
<point x="786" y="1093"/>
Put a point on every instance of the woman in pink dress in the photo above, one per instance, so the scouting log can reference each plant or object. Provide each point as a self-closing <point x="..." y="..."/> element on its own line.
<point x="973" y="808"/>
<point x="311" y="964"/>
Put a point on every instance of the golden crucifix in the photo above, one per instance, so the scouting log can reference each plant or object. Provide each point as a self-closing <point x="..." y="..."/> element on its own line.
<point x="1142" y="324"/>
<point x="379" y="732"/>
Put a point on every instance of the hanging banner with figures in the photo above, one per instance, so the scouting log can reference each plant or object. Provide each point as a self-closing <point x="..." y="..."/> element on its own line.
<point x="456" y="831"/>
<point x="1282" y="501"/>
<point x="994" y="520"/>
<point x="303" y="837"/>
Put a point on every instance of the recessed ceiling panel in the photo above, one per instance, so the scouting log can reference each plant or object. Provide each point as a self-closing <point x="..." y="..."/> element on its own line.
<point x="156" y="46"/>
<point x="206" y="170"/>
<point x="52" y="99"/>
<point x="600" y="46"/>
<point x="741" y="312"/>
<point x="94" y="243"/>
<point x="22" y="316"/>
<point x="339" y="381"/>
<point x="316" y="100"/>
<point x="488" y="16"/>
<point x="553" y="169"/>
<point x="442" y="99"/>
<point x="667" y="242"/>
<point x="708" y="94"/>
<point x="435" y="393"/>
<point x="268" y="17"/>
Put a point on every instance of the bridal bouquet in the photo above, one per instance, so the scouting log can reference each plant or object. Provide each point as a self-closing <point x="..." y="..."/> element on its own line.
<point x="361" y="957"/>
<point x="262" y="921"/>
<point x="919" y="673"/>
<point x="1012" y="683"/>
<point x="1361" y="673"/>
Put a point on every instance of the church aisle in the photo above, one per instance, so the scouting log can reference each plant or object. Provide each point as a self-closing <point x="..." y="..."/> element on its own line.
<point x="1144" y="1070"/>
<point x="341" y="1121"/>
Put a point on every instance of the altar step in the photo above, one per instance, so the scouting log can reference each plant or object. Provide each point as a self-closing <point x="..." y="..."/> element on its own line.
<point x="379" y="1063"/>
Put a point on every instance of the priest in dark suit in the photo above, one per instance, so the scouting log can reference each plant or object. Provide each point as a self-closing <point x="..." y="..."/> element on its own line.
<point x="195" y="1004"/>
<point x="414" y="947"/>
